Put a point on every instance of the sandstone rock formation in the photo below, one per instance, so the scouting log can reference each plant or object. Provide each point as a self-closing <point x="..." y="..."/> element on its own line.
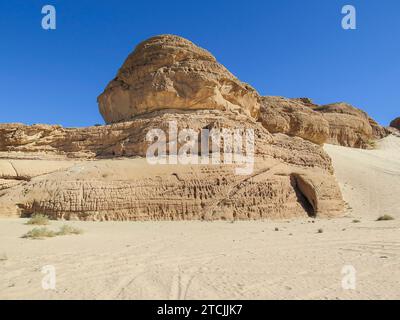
<point x="293" y="117"/>
<point x="349" y="126"/>
<point x="169" y="72"/>
<point x="394" y="127"/>
<point x="395" y="123"/>
<point x="337" y="123"/>
<point x="101" y="173"/>
<point x="292" y="177"/>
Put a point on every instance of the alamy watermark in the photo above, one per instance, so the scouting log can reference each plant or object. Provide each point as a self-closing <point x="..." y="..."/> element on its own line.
<point x="349" y="21"/>
<point x="216" y="146"/>
<point x="349" y="280"/>
<point x="49" y="20"/>
<point x="49" y="280"/>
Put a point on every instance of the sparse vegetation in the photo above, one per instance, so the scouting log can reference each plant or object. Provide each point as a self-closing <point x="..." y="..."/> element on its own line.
<point x="356" y="221"/>
<point x="67" y="230"/>
<point x="43" y="232"/>
<point x="320" y="230"/>
<point x="39" y="233"/>
<point x="39" y="220"/>
<point x="371" y="144"/>
<point x="385" y="217"/>
<point x="276" y="229"/>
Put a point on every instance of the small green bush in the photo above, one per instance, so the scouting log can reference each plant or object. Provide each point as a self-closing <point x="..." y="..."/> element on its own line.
<point x="320" y="230"/>
<point x="385" y="217"/>
<point x="39" y="233"/>
<point x="67" y="230"/>
<point x="371" y="144"/>
<point x="356" y="221"/>
<point x="38" y="219"/>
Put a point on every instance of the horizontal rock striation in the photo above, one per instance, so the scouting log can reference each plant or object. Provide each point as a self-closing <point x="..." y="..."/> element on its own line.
<point x="96" y="192"/>
<point x="106" y="185"/>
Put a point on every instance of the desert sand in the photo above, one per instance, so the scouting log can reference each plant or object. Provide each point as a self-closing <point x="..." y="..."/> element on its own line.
<point x="223" y="260"/>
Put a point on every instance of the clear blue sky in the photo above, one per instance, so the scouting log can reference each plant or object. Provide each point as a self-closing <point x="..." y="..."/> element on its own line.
<point x="290" y="48"/>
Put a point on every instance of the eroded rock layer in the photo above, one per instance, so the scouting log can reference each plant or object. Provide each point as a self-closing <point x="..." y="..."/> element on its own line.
<point x="293" y="117"/>
<point x="337" y="123"/>
<point x="291" y="177"/>
<point x="395" y="123"/>
<point x="350" y="127"/>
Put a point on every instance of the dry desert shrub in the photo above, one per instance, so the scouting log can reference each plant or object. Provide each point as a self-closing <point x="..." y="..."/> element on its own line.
<point x="67" y="230"/>
<point x="39" y="233"/>
<point x="38" y="219"/>
<point x="43" y="232"/>
<point x="385" y="217"/>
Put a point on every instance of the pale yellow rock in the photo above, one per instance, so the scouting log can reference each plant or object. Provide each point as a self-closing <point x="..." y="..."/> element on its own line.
<point x="130" y="189"/>
<point x="134" y="190"/>
<point x="293" y="117"/>
<point x="337" y="123"/>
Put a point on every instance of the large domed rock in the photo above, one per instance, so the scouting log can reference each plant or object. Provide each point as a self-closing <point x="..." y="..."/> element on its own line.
<point x="170" y="72"/>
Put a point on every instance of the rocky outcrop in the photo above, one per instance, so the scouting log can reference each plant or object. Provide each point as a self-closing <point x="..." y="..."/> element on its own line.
<point x="168" y="85"/>
<point x="169" y="72"/>
<point x="395" y="123"/>
<point x="107" y="185"/>
<point x="394" y="127"/>
<point x="349" y="126"/>
<point x="128" y="139"/>
<point x="134" y="190"/>
<point x="338" y="123"/>
<point x="293" y="117"/>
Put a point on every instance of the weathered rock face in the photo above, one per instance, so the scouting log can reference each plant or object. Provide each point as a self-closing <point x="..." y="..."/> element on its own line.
<point x="293" y="117"/>
<point x="395" y="123"/>
<point x="349" y="126"/>
<point x="169" y="72"/>
<point x="175" y="192"/>
<point x="338" y="123"/>
<point x="102" y="173"/>
<point x="378" y="132"/>
<point x="291" y="177"/>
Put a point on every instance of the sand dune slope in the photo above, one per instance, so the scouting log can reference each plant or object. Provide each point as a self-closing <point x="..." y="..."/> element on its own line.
<point x="369" y="179"/>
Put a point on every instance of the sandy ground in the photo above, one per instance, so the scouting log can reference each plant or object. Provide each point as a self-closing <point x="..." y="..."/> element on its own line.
<point x="221" y="260"/>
